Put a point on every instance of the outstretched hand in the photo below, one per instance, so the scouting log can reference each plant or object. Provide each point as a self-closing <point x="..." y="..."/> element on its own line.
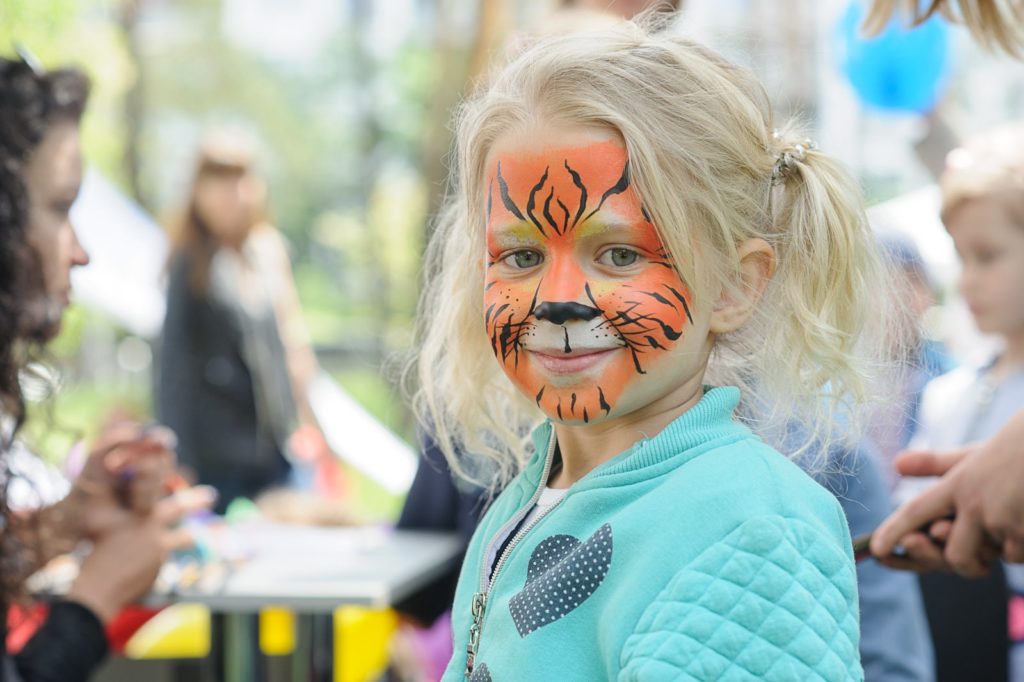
<point x="982" y="488"/>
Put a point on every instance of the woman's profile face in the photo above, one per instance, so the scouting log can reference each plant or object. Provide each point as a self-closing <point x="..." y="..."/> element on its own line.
<point x="53" y="177"/>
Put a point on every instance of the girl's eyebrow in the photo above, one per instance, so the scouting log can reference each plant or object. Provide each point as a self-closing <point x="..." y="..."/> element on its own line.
<point x="596" y="226"/>
<point x="516" y="233"/>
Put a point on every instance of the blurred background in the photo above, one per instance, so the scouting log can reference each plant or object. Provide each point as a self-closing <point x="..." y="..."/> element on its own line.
<point x="349" y="105"/>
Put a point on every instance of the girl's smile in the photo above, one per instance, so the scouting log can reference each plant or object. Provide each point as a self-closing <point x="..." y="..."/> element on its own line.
<point x="575" y="361"/>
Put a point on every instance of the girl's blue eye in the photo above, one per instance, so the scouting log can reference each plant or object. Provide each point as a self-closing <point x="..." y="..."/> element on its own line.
<point x="524" y="259"/>
<point x="619" y="257"/>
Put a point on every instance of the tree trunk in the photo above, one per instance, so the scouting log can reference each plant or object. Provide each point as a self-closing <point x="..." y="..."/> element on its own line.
<point x="459" y="73"/>
<point x="134" y="102"/>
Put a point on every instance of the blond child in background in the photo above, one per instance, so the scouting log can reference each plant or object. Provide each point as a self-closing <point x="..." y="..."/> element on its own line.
<point x="983" y="210"/>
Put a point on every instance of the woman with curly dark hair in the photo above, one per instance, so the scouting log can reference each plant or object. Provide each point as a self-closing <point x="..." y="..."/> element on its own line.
<point x="117" y="501"/>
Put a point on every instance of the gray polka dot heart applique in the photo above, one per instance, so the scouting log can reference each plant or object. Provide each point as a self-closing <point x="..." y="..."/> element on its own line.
<point x="562" y="574"/>
<point x="480" y="674"/>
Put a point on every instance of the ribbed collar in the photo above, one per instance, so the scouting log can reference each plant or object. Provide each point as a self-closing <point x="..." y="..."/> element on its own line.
<point x="708" y="423"/>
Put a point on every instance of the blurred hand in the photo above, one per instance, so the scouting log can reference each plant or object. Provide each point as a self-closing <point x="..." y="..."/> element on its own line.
<point x="120" y="569"/>
<point x="309" y="444"/>
<point x="126" y="559"/>
<point x="311" y="448"/>
<point x="982" y="487"/>
<point x="173" y="508"/>
<point x="923" y="554"/>
<point x="124" y="477"/>
<point x="924" y="551"/>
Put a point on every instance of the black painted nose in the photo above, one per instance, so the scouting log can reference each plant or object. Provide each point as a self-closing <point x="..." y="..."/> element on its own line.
<point x="563" y="311"/>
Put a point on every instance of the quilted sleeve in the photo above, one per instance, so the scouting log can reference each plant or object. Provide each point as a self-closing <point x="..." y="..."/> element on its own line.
<point x="776" y="599"/>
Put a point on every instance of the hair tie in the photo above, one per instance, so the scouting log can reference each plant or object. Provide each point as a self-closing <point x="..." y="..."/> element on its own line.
<point x="789" y="156"/>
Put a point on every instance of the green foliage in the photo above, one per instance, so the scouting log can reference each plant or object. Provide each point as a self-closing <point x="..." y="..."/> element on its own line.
<point x="378" y="396"/>
<point x="382" y="401"/>
<point x="370" y="501"/>
<point x="79" y="399"/>
<point x="341" y="138"/>
<point x="43" y="26"/>
<point x="78" y="413"/>
<point x="85" y="34"/>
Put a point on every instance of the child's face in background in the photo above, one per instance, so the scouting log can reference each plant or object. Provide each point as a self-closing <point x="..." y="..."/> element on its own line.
<point x="990" y="242"/>
<point x="584" y="309"/>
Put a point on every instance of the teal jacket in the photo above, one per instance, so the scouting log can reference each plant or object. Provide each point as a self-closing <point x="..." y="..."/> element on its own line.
<point x="699" y="554"/>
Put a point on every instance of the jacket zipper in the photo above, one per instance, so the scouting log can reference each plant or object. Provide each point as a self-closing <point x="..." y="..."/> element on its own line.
<point x="487" y="578"/>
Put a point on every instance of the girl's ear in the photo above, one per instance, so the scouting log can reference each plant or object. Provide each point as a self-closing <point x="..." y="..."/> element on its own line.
<point x="733" y="308"/>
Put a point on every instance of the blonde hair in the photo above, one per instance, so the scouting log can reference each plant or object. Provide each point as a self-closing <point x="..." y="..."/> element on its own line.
<point x="993" y="23"/>
<point x="704" y="161"/>
<point x="988" y="166"/>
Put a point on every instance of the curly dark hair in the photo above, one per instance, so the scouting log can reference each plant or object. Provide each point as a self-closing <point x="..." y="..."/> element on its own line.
<point x="31" y="101"/>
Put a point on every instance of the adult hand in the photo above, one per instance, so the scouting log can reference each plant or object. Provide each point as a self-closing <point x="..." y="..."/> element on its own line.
<point x="121" y="480"/>
<point x="126" y="560"/>
<point x="982" y="486"/>
<point x="923" y="551"/>
<point x="124" y="476"/>
<point x="121" y="567"/>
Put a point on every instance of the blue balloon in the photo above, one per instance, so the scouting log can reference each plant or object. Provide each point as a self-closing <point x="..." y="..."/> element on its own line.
<point x="902" y="69"/>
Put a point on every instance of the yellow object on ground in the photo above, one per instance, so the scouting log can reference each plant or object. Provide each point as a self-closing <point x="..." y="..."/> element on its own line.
<point x="277" y="631"/>
<point x="362" y="637"/>
<point x="362" y="642"/>
<point x="178" y="631"/>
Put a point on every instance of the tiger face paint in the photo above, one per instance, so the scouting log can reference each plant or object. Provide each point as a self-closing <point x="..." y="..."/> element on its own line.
<point x="583" y="308"/>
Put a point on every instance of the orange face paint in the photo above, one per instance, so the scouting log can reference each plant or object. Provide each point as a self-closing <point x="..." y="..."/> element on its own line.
<point x="580" y="296"/>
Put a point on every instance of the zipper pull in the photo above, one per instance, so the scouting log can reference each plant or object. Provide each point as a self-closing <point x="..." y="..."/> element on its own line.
<point x="479" y="604"/>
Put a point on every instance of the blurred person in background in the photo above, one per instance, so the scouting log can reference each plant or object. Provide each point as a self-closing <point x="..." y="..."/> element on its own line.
<point x="981" y="484"/>
<point x="895" y="644"/>
<point x="920" y="358"/>
<point x="983" y="211"/>
<point x="117" y="501"/>
<point x="235" y="362"/>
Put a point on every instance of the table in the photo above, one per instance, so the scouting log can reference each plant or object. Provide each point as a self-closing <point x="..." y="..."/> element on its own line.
<point x="311" y="571"/>
<point x="315" y="570"/>
<point x="308" y="570"/>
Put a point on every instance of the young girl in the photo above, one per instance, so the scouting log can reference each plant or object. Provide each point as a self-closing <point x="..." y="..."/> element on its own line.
<point x="633" y="245"/>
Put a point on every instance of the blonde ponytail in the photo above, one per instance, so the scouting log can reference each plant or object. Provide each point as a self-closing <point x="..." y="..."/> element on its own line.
<point x="818" y="334"/>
